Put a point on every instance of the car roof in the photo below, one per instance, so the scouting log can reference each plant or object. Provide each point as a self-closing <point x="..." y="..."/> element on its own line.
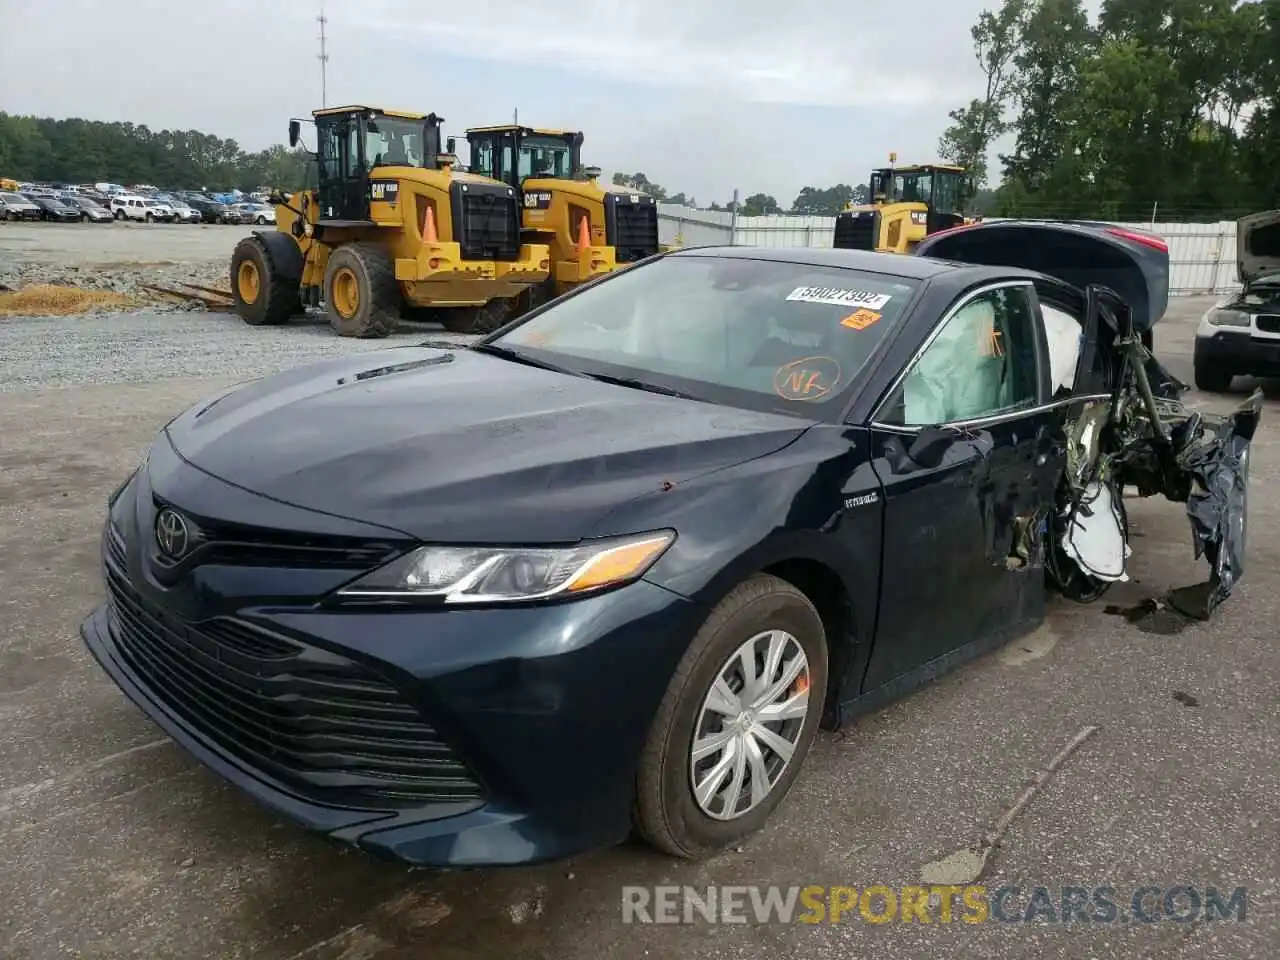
<point x="892" y="264"/>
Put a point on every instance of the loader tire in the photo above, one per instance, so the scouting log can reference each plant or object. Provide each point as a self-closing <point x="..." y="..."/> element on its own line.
<point x="263" y="292"/>
<point x="362" y="297"/>
<point x="486" y="319"/>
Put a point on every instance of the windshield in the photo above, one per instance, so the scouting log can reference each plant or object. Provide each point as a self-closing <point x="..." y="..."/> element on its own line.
<point x="765" y="335"/>
<point x="12" y="198"/>
<point x="544" y="157"/>
<point x="390" y="141"/>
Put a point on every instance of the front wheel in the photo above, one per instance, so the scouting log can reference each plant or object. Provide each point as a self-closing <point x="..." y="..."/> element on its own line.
<point x="362" y="296"/>
<point x="736" y="722"/>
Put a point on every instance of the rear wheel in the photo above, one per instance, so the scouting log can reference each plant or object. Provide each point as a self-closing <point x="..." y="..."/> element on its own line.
<point x="1211" y="378"/>
<point x="362" y="296"/>
<point x="736" y="722"/>
<point x="484" y="319"/>
<point x="262" y="296"/>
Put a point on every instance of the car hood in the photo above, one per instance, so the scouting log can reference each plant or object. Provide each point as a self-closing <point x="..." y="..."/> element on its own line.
<point x="457" y="446"/>
<point x="1257" y="245"/>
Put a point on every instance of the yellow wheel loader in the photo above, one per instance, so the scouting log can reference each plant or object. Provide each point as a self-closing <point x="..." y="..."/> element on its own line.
<point x="393" y="229"/>
<point x="591" y="229"/>
<point x="907" y="204"/>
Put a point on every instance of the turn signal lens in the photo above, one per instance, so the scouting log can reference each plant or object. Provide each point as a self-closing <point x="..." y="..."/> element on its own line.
<point x="617" y="565"/>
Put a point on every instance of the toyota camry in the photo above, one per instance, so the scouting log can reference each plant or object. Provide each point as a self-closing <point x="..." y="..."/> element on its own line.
<point x="610" y="568"/>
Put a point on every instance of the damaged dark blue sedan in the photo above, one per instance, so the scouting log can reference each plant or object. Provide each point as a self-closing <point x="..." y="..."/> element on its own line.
<point x="610" y="568"/>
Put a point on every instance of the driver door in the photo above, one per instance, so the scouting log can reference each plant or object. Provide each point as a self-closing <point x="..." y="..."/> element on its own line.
<point x="969" y="453"/>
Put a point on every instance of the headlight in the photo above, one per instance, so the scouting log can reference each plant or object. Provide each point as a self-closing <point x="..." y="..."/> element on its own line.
<point x="1228" y="318"/>
<point x="504" y="574"/>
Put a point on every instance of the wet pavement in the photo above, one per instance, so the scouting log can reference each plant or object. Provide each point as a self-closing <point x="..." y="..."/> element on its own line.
<point x="118" y="845"/>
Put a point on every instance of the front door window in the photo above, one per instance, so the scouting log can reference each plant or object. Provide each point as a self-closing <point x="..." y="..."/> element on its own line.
<point x="981" y="363"/>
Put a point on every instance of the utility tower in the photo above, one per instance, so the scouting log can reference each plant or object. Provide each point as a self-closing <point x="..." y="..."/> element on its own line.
<point x="324" y="58"/>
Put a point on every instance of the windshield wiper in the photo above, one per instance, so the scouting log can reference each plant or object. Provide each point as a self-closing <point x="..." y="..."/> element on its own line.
<point x="641" y="385"/>
<point x="516" y="356"/>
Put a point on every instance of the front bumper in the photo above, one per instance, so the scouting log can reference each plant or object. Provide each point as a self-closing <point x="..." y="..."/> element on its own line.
<point x="1239" y="353"/>
<point x="544" y="708"/>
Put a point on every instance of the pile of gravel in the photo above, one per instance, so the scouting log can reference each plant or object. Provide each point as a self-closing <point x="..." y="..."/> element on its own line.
<point x="130" y="280"/>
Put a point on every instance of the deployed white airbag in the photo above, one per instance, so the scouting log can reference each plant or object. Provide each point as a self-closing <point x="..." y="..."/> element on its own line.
<point x="961" y="375"/>
<point x="1095" y="537"/>
<point x="1063" y="333"/>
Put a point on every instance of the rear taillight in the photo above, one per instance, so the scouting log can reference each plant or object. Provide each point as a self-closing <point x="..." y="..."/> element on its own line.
<point x="1146" y="239"/>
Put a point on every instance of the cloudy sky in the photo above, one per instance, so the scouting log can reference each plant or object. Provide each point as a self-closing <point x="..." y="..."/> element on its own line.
<point x="701" y="95"/>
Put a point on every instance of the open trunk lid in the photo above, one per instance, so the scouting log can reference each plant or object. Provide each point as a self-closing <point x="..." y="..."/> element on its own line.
<point x="1133" y="263"/>
<point x="1257" y="246"/>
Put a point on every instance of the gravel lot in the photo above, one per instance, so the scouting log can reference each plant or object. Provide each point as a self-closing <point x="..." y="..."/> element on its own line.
<point x="118" y="845"/>
<point x="148" y="345"/>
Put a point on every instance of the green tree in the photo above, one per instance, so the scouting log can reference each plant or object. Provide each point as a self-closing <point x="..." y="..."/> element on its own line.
<point x="973" y="129"/>
<point x="759" y="205"/>
<point x="638" y="181"/>
<point x="827" y="202"/>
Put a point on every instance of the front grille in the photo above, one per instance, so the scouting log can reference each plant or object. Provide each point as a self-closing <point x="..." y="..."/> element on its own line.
<point x="328" y="728"/>
<point x="236" y="544"/>
<point x="1268" y="323"/>
<point x="486" y="222"/>
<point x="856" y="231"/>
<point x="631" y="227"/>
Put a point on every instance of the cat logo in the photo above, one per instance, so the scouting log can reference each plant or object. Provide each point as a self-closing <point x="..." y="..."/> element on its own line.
<point x="386" y="191"/>
<point x="537" y="200"/>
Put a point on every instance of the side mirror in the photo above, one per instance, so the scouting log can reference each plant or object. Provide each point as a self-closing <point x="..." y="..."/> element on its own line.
<point x="451" y="145"/>
<point x="295" y="132"/>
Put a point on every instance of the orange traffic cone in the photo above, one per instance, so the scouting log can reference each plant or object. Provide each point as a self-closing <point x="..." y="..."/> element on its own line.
<point x="584" y="234"/>
<point x="429" y="234"/>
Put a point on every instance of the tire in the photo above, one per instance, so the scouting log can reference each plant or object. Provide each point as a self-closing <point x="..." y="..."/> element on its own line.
<point x="84" y="218"/>
<point x="666" y="812"/>
<point x="1211" y="378"/>
<point x="371" y="301"/>
<point x="486" y="319"/>
<point x="274" y="298"/>
<point x="261" y="221"/>
<point x="119" y="215"/>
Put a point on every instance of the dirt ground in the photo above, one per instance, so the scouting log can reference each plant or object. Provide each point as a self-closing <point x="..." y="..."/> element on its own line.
<point x="119" y="845"/>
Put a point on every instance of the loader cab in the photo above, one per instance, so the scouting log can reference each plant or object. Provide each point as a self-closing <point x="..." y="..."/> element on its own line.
<point x="352" y="142"/>
<point x="514" y="154"/>
<point x="942" y="188"/>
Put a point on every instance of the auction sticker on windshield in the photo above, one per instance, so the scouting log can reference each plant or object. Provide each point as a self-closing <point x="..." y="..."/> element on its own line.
<point x="841" y="298"/>
<point x="860" y="319"/>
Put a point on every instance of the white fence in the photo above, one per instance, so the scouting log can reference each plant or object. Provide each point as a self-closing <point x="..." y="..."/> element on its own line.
<point x="1202" y="255"/>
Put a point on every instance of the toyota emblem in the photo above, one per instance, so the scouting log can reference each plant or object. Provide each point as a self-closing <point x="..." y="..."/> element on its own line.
<point x="173" y="537"/>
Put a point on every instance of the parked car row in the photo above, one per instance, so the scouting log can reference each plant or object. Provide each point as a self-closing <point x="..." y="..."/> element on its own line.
<point x="67" y="206"/>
